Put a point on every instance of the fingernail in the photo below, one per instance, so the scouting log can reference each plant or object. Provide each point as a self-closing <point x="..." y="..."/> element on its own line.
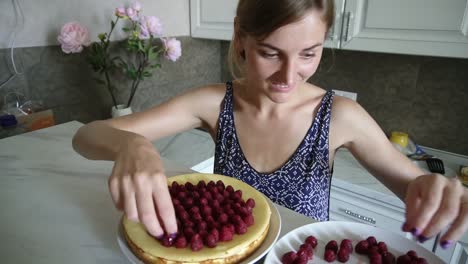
<point x="422" y="239"/>
<point x="414" y="231"/>
<point x="446" y="244"/>
<point x="405" y="227"/>
<point x="173" y="235"/>
<point x="159" y="237"/>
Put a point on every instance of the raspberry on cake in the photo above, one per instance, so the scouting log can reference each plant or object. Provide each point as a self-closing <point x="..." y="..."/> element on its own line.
<point x="220" y="220"/>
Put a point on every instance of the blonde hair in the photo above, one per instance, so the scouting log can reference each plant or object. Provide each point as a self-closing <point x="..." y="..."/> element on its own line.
<point x="259" y="18"/>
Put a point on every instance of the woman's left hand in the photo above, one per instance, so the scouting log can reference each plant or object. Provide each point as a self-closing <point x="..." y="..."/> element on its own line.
<point x="434" y="202"/>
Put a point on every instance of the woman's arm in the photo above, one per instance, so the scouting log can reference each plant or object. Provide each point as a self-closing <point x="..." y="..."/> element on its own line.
<point x="137" y="184"/>
<point x="432" y="201"/>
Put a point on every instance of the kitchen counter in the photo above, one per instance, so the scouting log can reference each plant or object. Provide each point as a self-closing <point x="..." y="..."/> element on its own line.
<point x="55" y="204"/>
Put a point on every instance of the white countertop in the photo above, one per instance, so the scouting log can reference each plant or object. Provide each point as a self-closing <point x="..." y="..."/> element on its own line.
<point x="55" y="204"/>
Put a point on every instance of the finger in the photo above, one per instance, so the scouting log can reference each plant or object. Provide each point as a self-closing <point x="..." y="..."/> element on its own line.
<point x="113" y="184"/>
<point x="147" y="212"/>
<point x="446" y="213"/>
<point x="165" y="207"/>
<point x="430" y="199"/>
<point x="458" y="228"/>
<point x="413" y="203"/>
<point x="129" y="199"/>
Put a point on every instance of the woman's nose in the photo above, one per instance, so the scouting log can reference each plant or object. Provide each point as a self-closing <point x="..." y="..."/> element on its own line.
<point x="287" y="72"/>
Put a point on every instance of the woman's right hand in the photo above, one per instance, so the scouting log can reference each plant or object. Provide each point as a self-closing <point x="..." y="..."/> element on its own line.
<point x="138" y="186"/>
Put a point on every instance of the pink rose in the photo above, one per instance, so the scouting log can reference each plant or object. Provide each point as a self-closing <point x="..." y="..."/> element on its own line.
<point x="120" y="12"/>
<point x="150" y="25"/>
<point x="73" y="37"/>
<point x="173" y="49"/>
<point x="136" y="6"/>
<point x="132" y="13"/>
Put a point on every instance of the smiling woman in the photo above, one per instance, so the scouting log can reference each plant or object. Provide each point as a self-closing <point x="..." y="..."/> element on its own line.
<point x="272" y="130"/>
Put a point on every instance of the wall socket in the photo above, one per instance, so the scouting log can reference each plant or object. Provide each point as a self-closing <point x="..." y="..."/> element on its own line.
<point x="350" y="95"/>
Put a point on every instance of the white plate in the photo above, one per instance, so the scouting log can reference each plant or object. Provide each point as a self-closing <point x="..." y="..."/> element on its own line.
<point x="267" y="244"/>
<point x="337" y="230"/>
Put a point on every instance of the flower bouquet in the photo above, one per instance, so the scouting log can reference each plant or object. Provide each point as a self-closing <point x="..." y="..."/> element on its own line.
<point x="144" y="45"/>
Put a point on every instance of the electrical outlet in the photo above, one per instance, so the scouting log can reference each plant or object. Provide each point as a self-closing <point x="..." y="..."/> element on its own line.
<point x="350" y="95"/>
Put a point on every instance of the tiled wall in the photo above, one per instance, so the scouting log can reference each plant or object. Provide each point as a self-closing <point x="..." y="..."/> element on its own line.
<point x="426" y="97"/>
<point x="65" y="83"/>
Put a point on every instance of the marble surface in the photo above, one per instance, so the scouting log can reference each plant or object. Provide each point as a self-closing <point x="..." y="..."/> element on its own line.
<point x="55" y="204"/>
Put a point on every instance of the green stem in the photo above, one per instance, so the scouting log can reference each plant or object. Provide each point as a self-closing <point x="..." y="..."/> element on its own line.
<point x="109" y="87"/>
<point x="136" y="82"/>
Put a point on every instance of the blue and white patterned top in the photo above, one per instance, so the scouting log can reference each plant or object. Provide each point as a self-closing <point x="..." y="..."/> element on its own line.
<point x="302" y="183"/>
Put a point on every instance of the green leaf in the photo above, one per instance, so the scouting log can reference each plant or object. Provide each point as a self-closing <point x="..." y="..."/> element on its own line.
<point x="154" y="66"/>
<point x="146" y="74"/>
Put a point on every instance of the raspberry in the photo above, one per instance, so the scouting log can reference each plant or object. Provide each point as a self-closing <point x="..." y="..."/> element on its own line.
<point x="388" y="258"/>
<point x="289" y="257"/>
<point x="372" y="241"/>
<point x="211" y="183"/>
<point x="175" y="185"/>
<point x="210" y="241"/>
<point x="206" y="210"/>
<point x="181" y="242"/>
<point x="308" y="249"/>
<point x="182" y="195"/>
<point x="362" y="247"/>
<point x="196" y="243"/>
<point x="301" y="258"/>
<point x="189" y="232"/>
<point x="422" y="261"/>
<point x="332" y="245"/>
<point x="343" y="254"/>
<point x="167" y="241"/>
<point x="202" y="225"/>
<point x="311" y="240"/>
<point x="189" y="186"/>
<point x="382" y="247"/>
<point x="188" y="202"/>
<point x="196" y="196"/>
<point x="197" y="217"/>
<point x="241" y="227"/>
<point x="194" y="210"/>
<point x="219" y="183"/>
<point x="223" y="218"/>
<point x="183" y="215"/>
<point x="404" y="259"/>
<point x="329" y="255"/>
<point x="207" y="195"/>
<point x="175" y="201"/>
<point x="201" y="184"/>
<point x="231" y="227"/>
<point x="188" y="223"/>
<point x="236" y="219"/>
<point x="215" y="204"/>
<point x="226" y="234"/>
<point x="250" y="203"/>
<point x="215" y="234"/>
<point x="412" y="254"/>
<point x="229" y="189"/>
<point x="372" y="250"/>
<point x="346" y="243"/>
<point x="231" y="212"/>
<point x="249" y="220"/>
<point x="375" y="258"/>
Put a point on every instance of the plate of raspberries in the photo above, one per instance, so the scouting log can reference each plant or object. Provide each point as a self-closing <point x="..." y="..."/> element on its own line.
<point x="347" y="242"/>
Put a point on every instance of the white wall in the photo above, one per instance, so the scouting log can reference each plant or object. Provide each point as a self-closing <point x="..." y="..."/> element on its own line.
<point x="44" y="18"/>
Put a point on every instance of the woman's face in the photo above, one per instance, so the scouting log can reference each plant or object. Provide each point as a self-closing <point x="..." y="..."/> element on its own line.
<point x="286" y="58"/>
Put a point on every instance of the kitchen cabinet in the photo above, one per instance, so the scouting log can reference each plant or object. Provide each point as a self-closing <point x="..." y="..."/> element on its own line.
<point x="418" y="27"/>
<point x="212" y="19"/>
<point x="421" y="27"/>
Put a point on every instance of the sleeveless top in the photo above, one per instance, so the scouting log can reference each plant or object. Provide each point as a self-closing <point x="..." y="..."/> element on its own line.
<point x="302" y="183"/>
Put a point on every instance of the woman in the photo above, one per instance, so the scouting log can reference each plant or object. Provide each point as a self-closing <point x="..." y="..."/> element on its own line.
<point x="272" y="129"/>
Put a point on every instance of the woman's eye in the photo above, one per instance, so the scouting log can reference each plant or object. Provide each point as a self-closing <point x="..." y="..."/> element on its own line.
<point x="308" y="55"/>
<point x="269" y="55"/>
